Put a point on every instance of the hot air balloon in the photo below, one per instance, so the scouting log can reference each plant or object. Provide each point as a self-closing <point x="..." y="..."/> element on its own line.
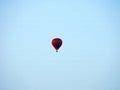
<point x="56" y="42"/>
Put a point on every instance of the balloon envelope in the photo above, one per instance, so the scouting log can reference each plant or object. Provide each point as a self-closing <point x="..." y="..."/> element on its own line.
<point x="56" y="42"/>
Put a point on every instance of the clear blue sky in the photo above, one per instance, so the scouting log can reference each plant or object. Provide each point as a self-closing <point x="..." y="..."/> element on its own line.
<point x="89" y="58"/>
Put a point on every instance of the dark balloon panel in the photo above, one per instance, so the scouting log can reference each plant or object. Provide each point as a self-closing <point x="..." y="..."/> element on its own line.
<point x="56" y="42"/>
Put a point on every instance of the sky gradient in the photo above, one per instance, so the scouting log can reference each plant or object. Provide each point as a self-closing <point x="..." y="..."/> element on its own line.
<point x="89" y="58"/>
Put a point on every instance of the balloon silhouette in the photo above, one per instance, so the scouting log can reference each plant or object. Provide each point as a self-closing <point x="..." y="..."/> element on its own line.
<point x="56" y="42"/>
